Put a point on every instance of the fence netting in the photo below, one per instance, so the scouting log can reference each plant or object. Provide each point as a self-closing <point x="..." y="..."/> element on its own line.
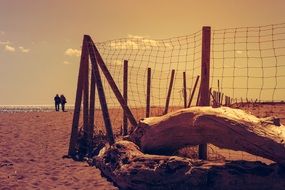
<point x="247" y="62"/>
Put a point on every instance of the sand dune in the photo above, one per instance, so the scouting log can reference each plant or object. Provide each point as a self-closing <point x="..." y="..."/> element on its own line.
<point x="31" y="148"/>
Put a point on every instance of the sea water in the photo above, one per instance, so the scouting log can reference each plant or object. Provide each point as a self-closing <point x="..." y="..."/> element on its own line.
<point x="31" y="108"/>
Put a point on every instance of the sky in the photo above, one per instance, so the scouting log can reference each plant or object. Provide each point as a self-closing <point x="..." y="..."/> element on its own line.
<point x="40" y="40"/>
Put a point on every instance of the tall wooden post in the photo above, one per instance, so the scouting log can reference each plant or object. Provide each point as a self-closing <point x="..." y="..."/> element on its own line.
<point x="184" y="90"/>
<point x="78" y="100"/>
<point x="92" y="102"/>
<point x="86" y="101"/>
<point x="148" y="92"/>
<point x="205" y="79"/>
<point x="125" y="94"/>
<point x="169" y="92"/>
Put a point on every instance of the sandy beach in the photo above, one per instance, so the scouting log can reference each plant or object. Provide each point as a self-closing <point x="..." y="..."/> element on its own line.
<point x="33" y="143"/>
<point x="31" y="148"/>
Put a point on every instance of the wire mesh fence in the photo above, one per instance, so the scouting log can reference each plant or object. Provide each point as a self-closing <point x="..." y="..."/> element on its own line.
<point x="247" y="64"/>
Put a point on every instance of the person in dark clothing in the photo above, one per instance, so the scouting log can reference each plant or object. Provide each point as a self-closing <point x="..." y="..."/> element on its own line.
<point x="57" y="102"/>
<point x="63" y="102"/>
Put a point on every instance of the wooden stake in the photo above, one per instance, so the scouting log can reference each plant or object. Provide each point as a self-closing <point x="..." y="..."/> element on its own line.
<point x="148" y="92"/>
<point x="113" y="84"/>
<point x="92" y="102"/>
<point x="125" y="94"/>
<point x="222" y="98"/>
<point x="215" y="97"/>
<point x="86" y="102"/>
<point x="169" y="92"/>
<point x="198" y="97"/>
<point x="219" y="93"/>
<point x="228" y="99"/>
<point x="193" y="91"/>
<point x="184" y="90"/>
<point x="227" y="102"/>
<point x="205" y="79"/>
<point x="78" y="100"/>
<point x="215" y="104"/>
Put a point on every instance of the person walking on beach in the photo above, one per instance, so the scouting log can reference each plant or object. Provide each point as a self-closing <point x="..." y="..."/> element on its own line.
<point x="56" y="102"/>
<point x="63" y="102"/>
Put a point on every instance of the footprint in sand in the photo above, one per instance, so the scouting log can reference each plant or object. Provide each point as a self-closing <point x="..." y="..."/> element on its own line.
<point x="53" y="178"/>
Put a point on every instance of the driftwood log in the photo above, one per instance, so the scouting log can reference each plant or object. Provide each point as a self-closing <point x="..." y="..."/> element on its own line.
<point x="129" y="168"/>
<point x="129" y="164"/>
<point x="224" y="127"/>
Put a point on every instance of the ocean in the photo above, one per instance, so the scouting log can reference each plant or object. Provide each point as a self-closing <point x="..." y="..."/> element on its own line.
<point x="31" y="108"/>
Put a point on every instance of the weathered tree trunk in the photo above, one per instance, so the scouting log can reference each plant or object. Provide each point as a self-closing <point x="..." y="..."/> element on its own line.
<point x="224" y="127"/>
<point x="130" y="169"/>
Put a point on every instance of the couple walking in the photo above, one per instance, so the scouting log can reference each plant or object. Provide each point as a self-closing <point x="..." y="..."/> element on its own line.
<point x="59" y="100"/>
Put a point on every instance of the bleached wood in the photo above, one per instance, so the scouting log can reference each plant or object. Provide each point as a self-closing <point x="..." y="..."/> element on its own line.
<point x="224" y="127"/>
<point x="129" y="168"/>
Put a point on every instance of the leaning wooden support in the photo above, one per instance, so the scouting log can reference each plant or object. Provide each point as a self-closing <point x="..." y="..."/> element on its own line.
<point x="148" y="92"/>
<point x="214" y="97"/>
<point x="92" y="102"/>
<point x="205" y="79"/>
<point x="169" y="92"/>
<point x="78" y="100"/>
<point x="101" y="94"/>
<point x="198" y="97"/>
<point x="224" y="127"/>
<point x="112" y="84"/>
<point x="125" y="94"/>
<point x="193" y="91"/>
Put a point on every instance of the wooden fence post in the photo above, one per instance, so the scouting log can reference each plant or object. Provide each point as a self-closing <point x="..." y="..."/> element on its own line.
<point x="147" y="114"/>
<point x="198" y="97"/>
<point x="205" y="79"/>
<point x="92" y="102"/>
<point x="222" y="99"/>
<point x="169" y="92"/>
<point x="219" y="93"/>
<point x="184" y="90"/>
<point x="78" y="100"/>
<point x="215" y="96"/>
<point x="86" y="102"/>
<point x="125" y="94"/>
<point x="193" y="91"/>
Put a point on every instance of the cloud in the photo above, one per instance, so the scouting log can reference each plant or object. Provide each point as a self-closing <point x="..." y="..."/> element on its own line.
<point x="72" y="52"/>
<point x="136" y="42"/>
<point x="66" y="63"/>
<point x="135" y="36"/>
<point x="151" y="42"/>
<point x="9" y="48"/>
<point x="128" y="44"/>
<point x="24" y="50"/>
<point x="4" y="42"/>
